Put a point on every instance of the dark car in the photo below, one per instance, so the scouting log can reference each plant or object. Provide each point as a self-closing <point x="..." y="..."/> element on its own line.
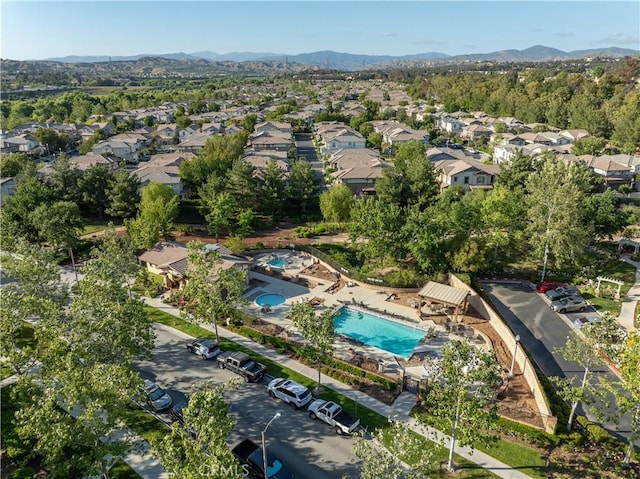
<point x="205" y="348"/>
<point x="544" y="286"/>
<point x="176" y="411"/>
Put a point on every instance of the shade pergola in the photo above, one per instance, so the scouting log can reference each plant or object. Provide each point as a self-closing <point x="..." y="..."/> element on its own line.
<point x="439" y="293"/>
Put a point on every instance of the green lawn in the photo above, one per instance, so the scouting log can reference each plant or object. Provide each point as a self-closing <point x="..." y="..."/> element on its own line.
<point x="617" y="270"/>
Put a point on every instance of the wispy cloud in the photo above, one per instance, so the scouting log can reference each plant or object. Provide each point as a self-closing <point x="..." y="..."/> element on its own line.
<point x="619" y="39"/>
<point x="563" y="34"/>
<point x="387" y="34"/>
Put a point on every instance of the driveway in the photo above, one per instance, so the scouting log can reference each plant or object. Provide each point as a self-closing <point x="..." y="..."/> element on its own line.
<point x="306" y="149"/>
<point x="542" y="331"/>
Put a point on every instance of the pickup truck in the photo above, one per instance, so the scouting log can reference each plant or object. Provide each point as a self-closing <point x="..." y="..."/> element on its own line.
<point x="332" y="414"/>
<point x="249" y="454"/>
<point x="240" y="363"/>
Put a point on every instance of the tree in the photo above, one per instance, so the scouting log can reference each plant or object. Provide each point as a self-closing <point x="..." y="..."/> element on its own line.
<point x="52" y="140"/>
<point x="12" y="164"/>
<point x="211" y="291"/>
<point x="271" y="187"/>
<point x="242" y="184"/>
<point x="158" y="208"/>
<point x="58" y="224"/>
<point x="403" y="448"/>
<point x="517" y="173"/>
<point x="30" y="193"/>
<point x="94" y="187"/>
<point x="503" y="214"/>
<point x="603" y="215"/>
<point x="556" y="229"/>
<point x="65" y="179"/>
<point x="218" y="210"/>
<point x="382" y="224"/>
<point x="463" y="393"/>
<point x="336" y="204"/>
<point x="591" y="145"/>
<point x="123" y="194"/>
<point x="302" y="186"/>
<point x="586" y="355"/>
<point x="318" y="331"/>
<point x="197" y="446"/>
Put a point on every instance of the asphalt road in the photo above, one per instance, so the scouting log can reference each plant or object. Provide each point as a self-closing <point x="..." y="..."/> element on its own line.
<point x="306" y="149"/>
<point x="310" y="449"/>
<point x="543" y="331"/>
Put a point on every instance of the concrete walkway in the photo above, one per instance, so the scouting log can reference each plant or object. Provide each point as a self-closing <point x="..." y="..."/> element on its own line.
<point x="400" y="408"/>
<point x="628" y="309"/>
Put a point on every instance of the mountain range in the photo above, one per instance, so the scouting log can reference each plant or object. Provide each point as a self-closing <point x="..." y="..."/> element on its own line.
<point x="350" y="61"/>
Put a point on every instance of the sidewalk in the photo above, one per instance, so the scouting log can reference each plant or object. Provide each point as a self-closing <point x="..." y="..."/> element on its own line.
<point x="400" y="408"/>
<point x="628" y="309"/>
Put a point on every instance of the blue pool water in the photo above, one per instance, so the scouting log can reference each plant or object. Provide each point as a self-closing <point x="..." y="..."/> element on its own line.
<point x="381" y="333"/>
<point x="270" y="299"/>
<point x="278" y="263"/>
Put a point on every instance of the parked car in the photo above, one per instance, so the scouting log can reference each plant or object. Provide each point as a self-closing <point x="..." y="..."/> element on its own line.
<point x="584" y="320"/>
<point x="562" y="292"/>
<point x="176" y="412"/>
<point x="157" y="398"/>
<point x="205" y="348"/>
<point x="570" y="304"/>
<point x="332" y="414"/>
<point x="250" y="456"/>
<point x="242" y="364"/>
<point x="544" y="286"/>
<point x="291" y="392"/>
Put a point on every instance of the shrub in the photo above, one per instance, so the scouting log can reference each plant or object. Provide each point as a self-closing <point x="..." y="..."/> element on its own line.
<point x="149" y="283"/>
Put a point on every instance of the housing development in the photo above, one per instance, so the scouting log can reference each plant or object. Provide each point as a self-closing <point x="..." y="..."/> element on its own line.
<point x="276" y="270"/>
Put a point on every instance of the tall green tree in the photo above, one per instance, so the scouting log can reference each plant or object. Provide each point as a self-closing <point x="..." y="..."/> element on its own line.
<point x="404" y="447"/>
<point x="218" y="209"/>
<point x="197" y="447"/>
<point x="381" y="224"/>
<point x="124" y="195"/>
<point x="336" y="204"/>
<point x="94" y="187"/>
<point x="319" y="332"/>
<point x="556" y="229"/>
<point x="64" y="179"/>
<point x="158" y="208"/>
<point x="302" y="185"/>
<point x="586" y="355"/>
<point x="211" y="292"/>
<point x="463" y="394"/>
<point x="603" y="214"/>
<point x="12" y="164"/>
<point x="59" y="224"/>
<point x="272" y="187"/>
<point x="30" y="193"/>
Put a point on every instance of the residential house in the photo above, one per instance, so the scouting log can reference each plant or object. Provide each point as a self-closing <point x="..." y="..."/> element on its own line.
<point x="274" y="126"/>
<point x="165" y="168"/>
<point x="194" y="143"/>
<point x="613" y="173"/>
<point x="346" y="138"/>
<point x="475" y="132"/>
<point x="169" y="259"/>
<point x="573" y="135"/>
<point x="467" y="174"/>
<point x="23" y="143"/>
<point x="7" y="188"/>
<point x="84" y="162"/>
<point x="167" y="134"/>
<point x="395" y="136"/>
<point x="360" y="180"/>
<point x="271" y="140"/>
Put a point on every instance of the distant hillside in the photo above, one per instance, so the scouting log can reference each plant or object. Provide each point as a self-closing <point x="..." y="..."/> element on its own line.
<point x="350" y="61"/>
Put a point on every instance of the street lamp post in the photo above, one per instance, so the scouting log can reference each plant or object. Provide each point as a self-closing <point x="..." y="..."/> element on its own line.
<point x="513" y="360"/>
<point x="264" y="446"/>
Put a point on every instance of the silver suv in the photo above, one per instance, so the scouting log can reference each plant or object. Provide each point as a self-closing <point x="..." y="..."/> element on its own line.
<point x="291" y="392"/>
<point x="570" y="304"/>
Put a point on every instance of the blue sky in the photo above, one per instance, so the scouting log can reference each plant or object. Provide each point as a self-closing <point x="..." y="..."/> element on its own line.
<point x="45" y="29"/>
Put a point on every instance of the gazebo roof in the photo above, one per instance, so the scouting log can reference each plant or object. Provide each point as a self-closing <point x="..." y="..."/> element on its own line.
<point x="441" y="293"/>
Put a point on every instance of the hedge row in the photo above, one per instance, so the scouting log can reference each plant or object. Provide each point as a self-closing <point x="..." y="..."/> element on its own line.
<point x="282" y="344"/>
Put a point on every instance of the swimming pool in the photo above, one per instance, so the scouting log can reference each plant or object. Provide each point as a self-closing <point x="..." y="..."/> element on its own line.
<point x="279" y="263"/>
<point x="378" y="332"/>
<point x="270" y="299"/>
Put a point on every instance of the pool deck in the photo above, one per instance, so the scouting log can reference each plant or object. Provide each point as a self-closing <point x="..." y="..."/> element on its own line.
<point x="371" y="300"/>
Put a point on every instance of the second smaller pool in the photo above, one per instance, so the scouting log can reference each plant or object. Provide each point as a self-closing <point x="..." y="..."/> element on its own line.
<point x="270" y="299"/>
<point x="279" y="263"/>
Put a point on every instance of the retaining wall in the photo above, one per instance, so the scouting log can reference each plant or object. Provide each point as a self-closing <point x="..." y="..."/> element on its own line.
<point x="522" y="360"/>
